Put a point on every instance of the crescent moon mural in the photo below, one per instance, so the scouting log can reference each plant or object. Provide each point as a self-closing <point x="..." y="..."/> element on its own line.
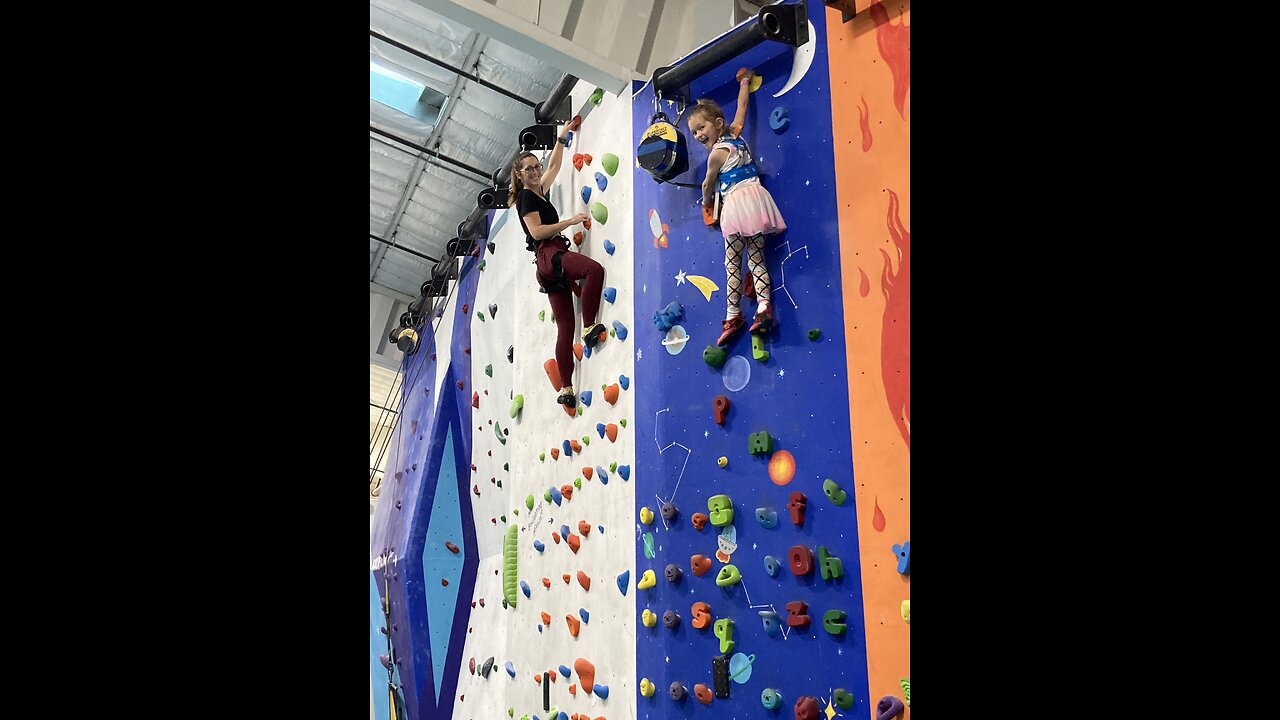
<point x="800" y="62"/>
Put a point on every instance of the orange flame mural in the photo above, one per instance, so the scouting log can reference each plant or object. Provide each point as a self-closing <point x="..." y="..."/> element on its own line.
<point x="895" y="351"/>
<point x="894" y="43"/>
<point x="864" y="122"/>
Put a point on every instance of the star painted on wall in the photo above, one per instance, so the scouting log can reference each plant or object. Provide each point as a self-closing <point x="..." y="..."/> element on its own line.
<point x="782" y="372"/>
<point x="680" y="278"/>
<point x="640" y="354"/>
<point x="706" y="434"/>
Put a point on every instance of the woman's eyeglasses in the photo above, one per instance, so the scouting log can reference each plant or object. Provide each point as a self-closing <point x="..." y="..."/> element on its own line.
<point x="531" y="168"/>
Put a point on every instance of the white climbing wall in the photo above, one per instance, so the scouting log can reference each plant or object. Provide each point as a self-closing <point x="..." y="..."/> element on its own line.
<point x="607" y="638"/>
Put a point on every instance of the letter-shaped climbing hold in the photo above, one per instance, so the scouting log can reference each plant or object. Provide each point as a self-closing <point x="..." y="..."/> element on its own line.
<point x="770" y="699"/>
<point x="700" y="564"/>
<point x="700" y="615"/>
<point x="721" y="508"/>
<point x="699" y="520"/>
<point x="723" y="629"/>
<point x="759" y="442"/>
<point x="834" y="492"/>
<point x="833" y="621"/>
<point x="829" y="565"/>
<point x="728" y="575"/>
<point x="778" y="119"/>
<point x="712" y="355"/>
<point x="720" y="409"/>
<point x="770" y="620"/>
<point x="796" y="503"/>
<point x="509" y="565"/>
<point x="797" y="616"/>
<point x="647" y="580"/>
<point x="903" y="552"/>
<point x="767" y="518"/>
<point x="772" y="566"/>
<point x="757" y="349"/>
<point x="800" y="559"/>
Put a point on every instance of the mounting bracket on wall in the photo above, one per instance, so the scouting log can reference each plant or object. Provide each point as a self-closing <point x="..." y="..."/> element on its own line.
<point x="787" y="24"/>
<point x="846" y="8"/>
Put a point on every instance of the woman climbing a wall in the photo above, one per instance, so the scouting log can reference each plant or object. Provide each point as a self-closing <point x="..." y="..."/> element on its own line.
<point x="558" y="269"/>
<point x="746" y="210"/>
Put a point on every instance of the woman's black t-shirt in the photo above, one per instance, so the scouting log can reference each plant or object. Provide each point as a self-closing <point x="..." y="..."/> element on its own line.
<point x="528" y="201"/>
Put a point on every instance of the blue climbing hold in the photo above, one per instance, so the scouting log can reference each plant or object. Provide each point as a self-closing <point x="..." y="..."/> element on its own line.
<point x="567" y="449"/>
<point x="586" y="616"/>
<point x="620" y="329"/>
<point x="609" y="247"/>
<point x="604" y="479"/>
<point x="602" y="182"/>
<point x="564" y="671"/>
<point x="603" y="474"/>
<point x="564" y="531"/>
<point x="624" y="579"/>
<point x="524" y="587"/>
<point x="511" y="668"/>
<point x="610" y="294"/>
<point x="600" y="429"/>
<point x="778" y="119"/>
<point x="556" y="495"/>
<point x="625" y="382"/>
<point x="586" y="194"/>
<point x="903" y="552"/>
<point x="537" y="545"/>
<point x="586" y="350"/>
<point x="770" y="620"/>
<point x="771" y="566"/>
<point x="602" y="691"/>
<point x="600" y="528"/>
<point x="625" y="471"/>
<point x="585" y="396"/>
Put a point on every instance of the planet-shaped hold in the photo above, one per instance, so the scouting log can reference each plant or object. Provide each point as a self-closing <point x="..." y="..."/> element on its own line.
<point x="740" y="667"/>
<point x="782" y="467"/>
<point x="737" y="373"/>
<point x="675" y="340"/>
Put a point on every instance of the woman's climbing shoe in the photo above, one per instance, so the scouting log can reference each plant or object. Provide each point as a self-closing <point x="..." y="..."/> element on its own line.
<point x="592" y="336"/>
<point x="763" y="323"/>
<point x="731" y="327"/>
<point x="567" y="397"/>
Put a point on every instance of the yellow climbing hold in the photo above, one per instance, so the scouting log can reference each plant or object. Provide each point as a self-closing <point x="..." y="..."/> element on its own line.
<point x="723" y="461"/>
<point x="646" y="515"/>
<point x="647" y="580"/>
<point x="647" y="688"/>
<point x="906" y="611"/>
<point x="648" y="618"/>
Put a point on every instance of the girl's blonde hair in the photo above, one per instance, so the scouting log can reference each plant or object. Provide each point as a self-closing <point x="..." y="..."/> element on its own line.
<point x="708" y="109"/>
<point x="516" y="182"/>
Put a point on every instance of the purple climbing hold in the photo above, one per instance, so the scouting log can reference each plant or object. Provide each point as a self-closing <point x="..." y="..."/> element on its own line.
<point x="609" y="293"/>
<point x="889" y="707"/>
<point x="625" y="382"/>
<point x="609" y="247"/>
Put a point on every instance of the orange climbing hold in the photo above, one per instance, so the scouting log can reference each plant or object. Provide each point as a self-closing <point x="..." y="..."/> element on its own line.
<point x="552" y="673"/>
<point x="546" y="583"/>
<point x="565" y="577"/>
<point x="586" y="673"/>
<point x="555" y="453"/>
<point x="577" y="350"/>
<point x="584" y="528"/>
<point x="553" y="372"/>
<point x="537" y="678"/>
<point x="611" y="432"/>
<point x="574" y="624"/>
<point x="584" y="580"/>
<point x="555" y="536"/>
<point x="587" y="471"/>
<point x="577" y="238"/>
<point x="573" y="689"/>
<point x="546" y="618"/>
<point x="611" y="394"/>
<point x="577" y="446"/>
<point x="567" y="491"/>
<point x="574" y="543"/>
<point x="587" y="223"/>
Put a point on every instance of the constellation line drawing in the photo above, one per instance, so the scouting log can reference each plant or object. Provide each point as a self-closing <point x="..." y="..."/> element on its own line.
<point x="782" y="269"/>
<point x="662" y="450"/>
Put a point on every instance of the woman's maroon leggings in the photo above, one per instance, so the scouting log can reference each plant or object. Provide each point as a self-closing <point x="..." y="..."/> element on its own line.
<point x="576" y="267"/>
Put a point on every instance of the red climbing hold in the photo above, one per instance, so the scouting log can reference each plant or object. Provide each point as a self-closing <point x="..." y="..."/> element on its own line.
<point x="452" y="548"/>
<point x="459" y="384"/>
<point x="475" y="400"/>
<point x="720" y="406"/>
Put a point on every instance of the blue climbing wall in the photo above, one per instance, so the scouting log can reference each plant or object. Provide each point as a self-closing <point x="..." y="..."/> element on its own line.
<point x="799" y="396"/>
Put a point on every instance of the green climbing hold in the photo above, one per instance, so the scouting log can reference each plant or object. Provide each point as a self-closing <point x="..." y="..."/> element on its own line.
<point x="834" y="492"/>
<point x="814" y="333"/>
<point x="480" y="315"/>
<point x="906" y="689"/>
<point x="509" y="566"/>
<point x="542" y="457"/>
<point x="498" y="431"/>
<point x="623" y="422"/>
<point x="502" y="518"/>
<point x="610" y="162"/>
<point x="757" y="348"/>
<point x="613" y="466"/>
<point x="482" y="262"/>
<point x="528" y="502"/>
<point x="542" y="315"/>
<point x="600" y="213"/>
<point x="507" y="466"/>
<point x="515" y="511"/>
<point x="546" y="496"/>
<point x="488" y="369"/>
<point x="596" y="96"/>
<point x="499" y="483"/>
<point x="843" y="698"/>
<point x="517" y="404"/>
<point x="577" y="483"/>
<point x="579" y="410"/>
<point x="586" y="439"/>
<point x="613" y="333"/>
<point x="714" y="355"/>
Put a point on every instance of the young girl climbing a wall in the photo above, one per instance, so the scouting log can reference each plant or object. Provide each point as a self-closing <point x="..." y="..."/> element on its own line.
<point x="746" y="210"/>
<point x="558" y="269"/>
